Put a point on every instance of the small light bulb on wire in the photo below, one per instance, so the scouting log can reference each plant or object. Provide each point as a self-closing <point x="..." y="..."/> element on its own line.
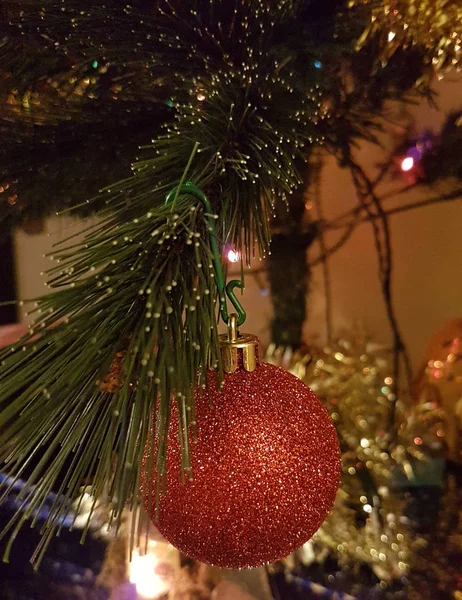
<point x="407" y="164"/>
<point x="149" y="584"/>
<point x="233" y="256"/>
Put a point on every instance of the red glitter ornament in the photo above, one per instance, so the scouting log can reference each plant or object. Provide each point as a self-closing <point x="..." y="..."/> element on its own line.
<point x="265" y="468"/>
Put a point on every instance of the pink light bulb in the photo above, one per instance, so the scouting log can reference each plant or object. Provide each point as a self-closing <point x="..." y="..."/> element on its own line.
<point x="407" y="163"/>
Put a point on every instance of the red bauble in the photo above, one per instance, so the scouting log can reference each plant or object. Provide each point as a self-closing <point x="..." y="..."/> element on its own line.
<point x="265" y="467"/>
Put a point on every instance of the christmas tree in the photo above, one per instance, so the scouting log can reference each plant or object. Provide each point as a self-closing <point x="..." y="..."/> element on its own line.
<point x="186" y="130"/>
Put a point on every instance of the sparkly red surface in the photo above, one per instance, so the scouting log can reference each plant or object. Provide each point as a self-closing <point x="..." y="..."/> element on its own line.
<point x="266" y="470"/>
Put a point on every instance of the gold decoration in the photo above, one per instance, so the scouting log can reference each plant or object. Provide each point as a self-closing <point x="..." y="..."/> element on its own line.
<point x="353" y="376"/>
<point x="435" y="26"/>
<point x="368" y="523"/>
<point x="238" y="348"/>
<point x="441" y="377"/>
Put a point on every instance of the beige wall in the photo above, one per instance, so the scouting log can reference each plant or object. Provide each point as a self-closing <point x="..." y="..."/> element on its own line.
<point x="30" y="251"/>
<point x="427" y="252"/>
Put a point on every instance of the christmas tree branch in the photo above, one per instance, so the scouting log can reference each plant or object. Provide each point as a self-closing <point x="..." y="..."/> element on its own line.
<point x="130" y="324"/>
<point x="147" y="310"/>
<point x="85" y="84"/>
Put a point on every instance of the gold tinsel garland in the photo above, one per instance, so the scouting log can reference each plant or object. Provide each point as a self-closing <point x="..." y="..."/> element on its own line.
<point x="352" y="376"/>
<point x="435" y="26"/>
<point x="368" y="522"/>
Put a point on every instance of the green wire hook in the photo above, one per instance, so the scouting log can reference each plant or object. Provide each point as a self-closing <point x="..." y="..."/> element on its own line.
<point x="223" y="291"/>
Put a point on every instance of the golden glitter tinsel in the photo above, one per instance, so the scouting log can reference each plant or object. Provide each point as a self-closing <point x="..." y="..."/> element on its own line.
<point x="368" y="523"/>
<point x="435" y="26"/>
<point x="352" y="375"/>
<point x="381" y="540"/>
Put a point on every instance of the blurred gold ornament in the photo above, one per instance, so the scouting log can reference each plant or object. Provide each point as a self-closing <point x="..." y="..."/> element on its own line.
<point x="191" y="583"/>
<point x="153" y="568"/>
<point x="442" y="374"/>
<point x="434" y="26"/>
<point x="152" y="564"/>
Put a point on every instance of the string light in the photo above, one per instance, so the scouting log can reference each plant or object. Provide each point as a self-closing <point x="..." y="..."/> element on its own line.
<point x="233" y="256"/>
<point x="407" y="164"/>
<point x="149" y="585"/>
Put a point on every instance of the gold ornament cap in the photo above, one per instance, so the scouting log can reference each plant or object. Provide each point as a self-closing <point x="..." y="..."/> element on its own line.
<point x="238" y="350"/>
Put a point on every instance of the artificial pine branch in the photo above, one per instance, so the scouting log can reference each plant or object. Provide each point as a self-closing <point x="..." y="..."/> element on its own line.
<point x="241" y="80"/>
<point x="141" y="285"/>
<point x="77" y="76"/>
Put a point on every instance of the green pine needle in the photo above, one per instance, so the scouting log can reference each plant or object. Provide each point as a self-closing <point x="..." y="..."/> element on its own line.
<point x="139" y="289"/>
<point x="137" y="296"/>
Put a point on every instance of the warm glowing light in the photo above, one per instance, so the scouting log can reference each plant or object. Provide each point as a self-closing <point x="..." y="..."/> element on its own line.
<point x="364" y="443"/>
<point x="418" y="441"/>
<point x="149" y="584"/>
<point x="201" y="97"/>
<point x="233" y="256"/>
<point x="391" y="36"/>
<point x="407" y="163"/>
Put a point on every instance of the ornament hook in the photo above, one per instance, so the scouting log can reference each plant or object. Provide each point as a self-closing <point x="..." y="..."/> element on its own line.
<point x="223" y="291"/>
